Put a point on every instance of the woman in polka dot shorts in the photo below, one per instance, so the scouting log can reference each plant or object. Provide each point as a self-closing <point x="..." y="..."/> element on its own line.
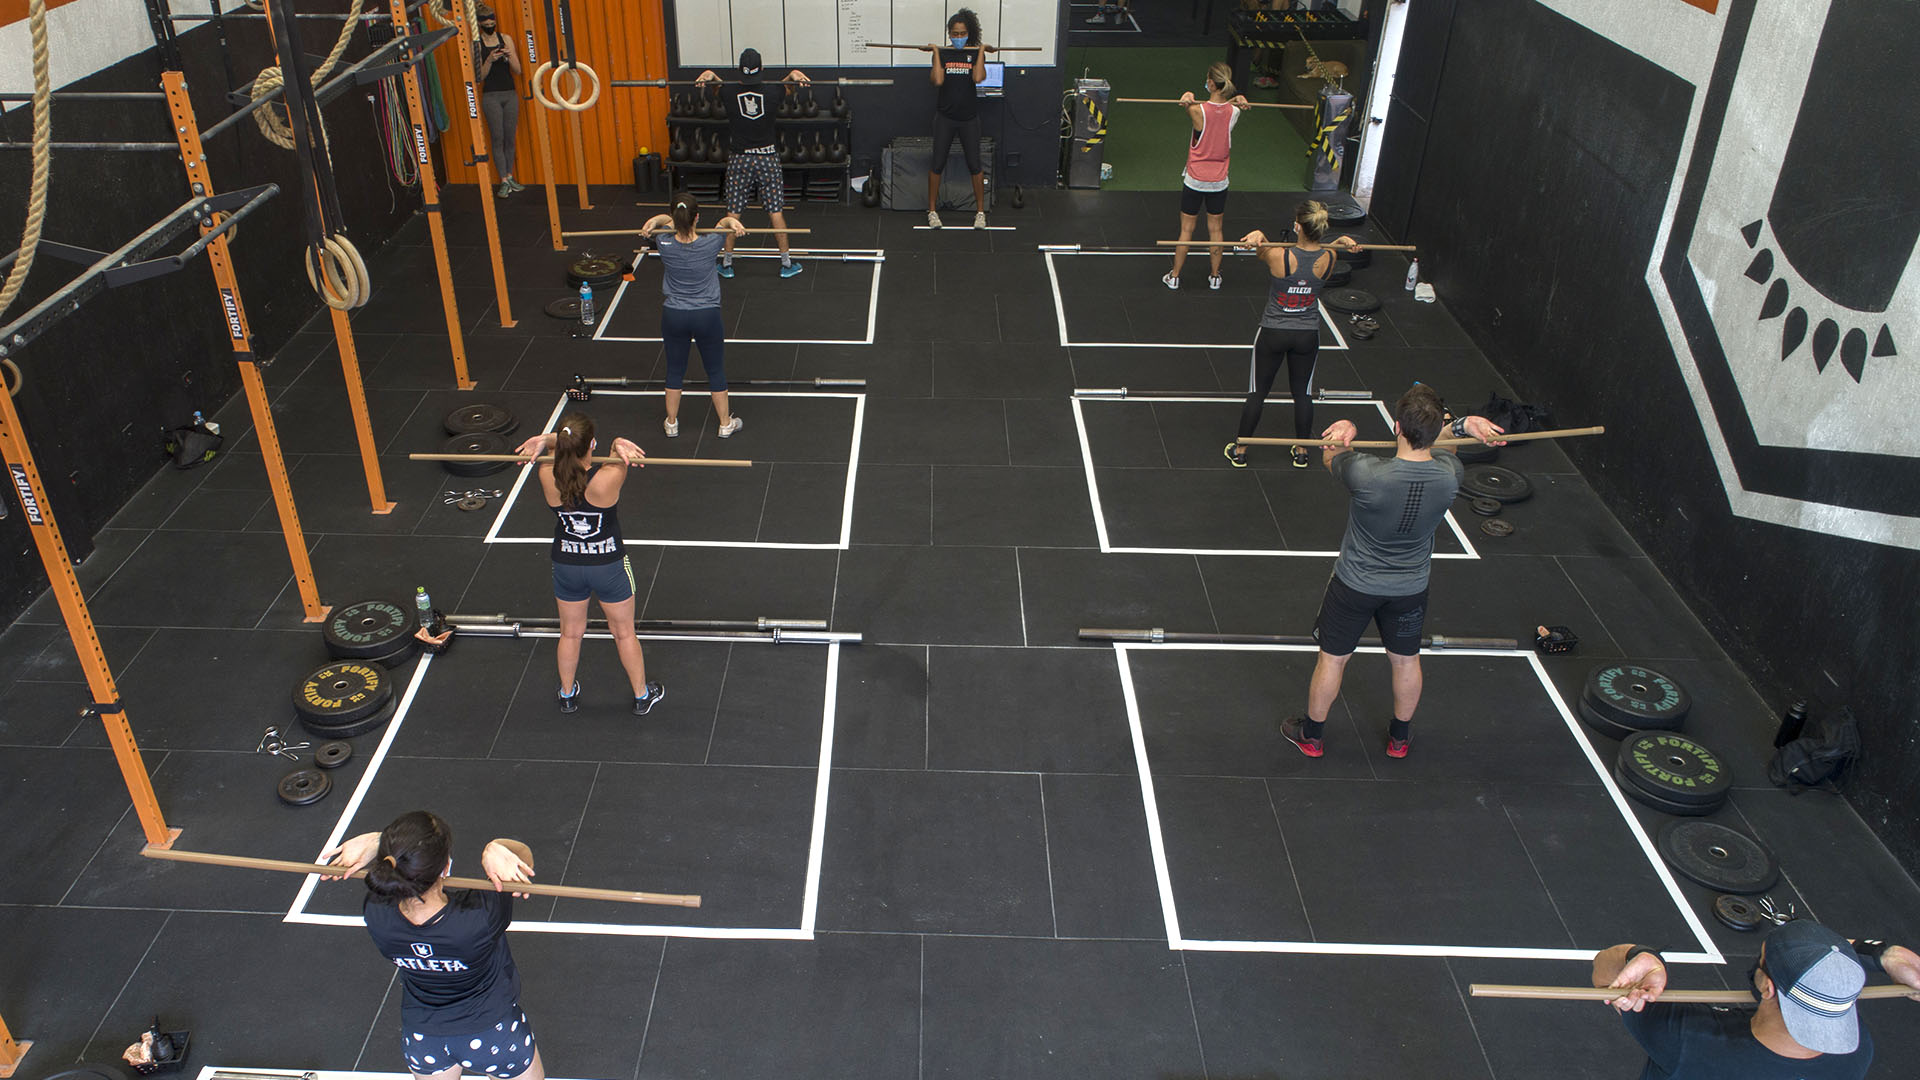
<point x="460" y="1012"/>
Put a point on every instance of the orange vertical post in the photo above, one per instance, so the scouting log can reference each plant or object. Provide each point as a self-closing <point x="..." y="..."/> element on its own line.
<point x="430" y="201"/>
<point x="478" y="134"/>
<point x="219" y="259"/>
<point x="12" y="1051"/>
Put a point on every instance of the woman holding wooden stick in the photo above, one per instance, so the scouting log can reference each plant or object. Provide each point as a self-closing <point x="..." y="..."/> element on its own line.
<point x="589" y="556"/>
<point x="690" y="306"/>
<point x="1204" y="180"/>
<point x="460" y="1006"/>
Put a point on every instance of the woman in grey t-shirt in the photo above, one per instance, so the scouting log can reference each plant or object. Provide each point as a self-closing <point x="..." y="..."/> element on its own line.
<point x="690" y="310"/>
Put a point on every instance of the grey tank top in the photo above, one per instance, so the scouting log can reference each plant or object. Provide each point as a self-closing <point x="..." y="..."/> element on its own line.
<point x="1292" y="301"/>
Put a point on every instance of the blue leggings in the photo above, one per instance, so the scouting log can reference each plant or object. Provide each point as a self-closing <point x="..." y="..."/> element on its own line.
<point x="681" y="329"/>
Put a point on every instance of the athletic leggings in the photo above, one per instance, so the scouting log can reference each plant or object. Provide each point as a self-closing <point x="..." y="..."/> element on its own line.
<point x="683" y="328"/>
<point x="502" y="110"/>
<point x="1271" y="348"/>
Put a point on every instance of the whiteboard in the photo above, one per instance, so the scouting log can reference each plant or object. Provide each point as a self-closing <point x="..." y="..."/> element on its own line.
<point x="835" y="33"/>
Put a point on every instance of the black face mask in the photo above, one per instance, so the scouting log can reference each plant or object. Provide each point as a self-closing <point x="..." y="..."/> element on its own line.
<point x="487" y="27"/>
<point x="1752" y="987"/>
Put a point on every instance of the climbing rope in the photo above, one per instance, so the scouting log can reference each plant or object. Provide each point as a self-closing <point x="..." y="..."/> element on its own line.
<point x="42" y="161"/>
<point x="270" y="80"/>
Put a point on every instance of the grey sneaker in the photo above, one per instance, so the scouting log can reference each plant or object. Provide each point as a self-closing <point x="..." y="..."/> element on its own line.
<point x="732" y="425"/>
<point x="933" y="218"/>
<point x="979" y="219"/>
<point x="644" y="705"/>
<point x="671" y="426"/>
<point x="503" y="190"/>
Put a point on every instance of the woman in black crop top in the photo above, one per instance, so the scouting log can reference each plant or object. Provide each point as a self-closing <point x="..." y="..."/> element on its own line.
<point x="460" y="991"/>
<point x="589" y="556"/>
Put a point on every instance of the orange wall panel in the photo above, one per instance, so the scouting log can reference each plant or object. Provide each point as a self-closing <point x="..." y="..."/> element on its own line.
<point x="618" y="39"/>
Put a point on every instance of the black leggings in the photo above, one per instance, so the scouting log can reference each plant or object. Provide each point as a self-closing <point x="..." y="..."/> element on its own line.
<point x="1271" y="348"/>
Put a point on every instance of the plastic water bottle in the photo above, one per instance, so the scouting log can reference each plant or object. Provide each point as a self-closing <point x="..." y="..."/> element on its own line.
<point x="423" y="605"/>
<point x="586" y="304"/>
<point x="1413" y="274"/>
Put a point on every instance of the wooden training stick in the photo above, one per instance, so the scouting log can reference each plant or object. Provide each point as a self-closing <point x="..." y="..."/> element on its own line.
<point x="665" y="232"/>
<point x="725" y="463"/>
<point x="1376" y="444"/>
<point x="1270" y="243"/>
<point x="990" y="48"/>
<point x="1604" y="993"/>
<point x="537" y="889"/>
<point x="1197" y="101"/>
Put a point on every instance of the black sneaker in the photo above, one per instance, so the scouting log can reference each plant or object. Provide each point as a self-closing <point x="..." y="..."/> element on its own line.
<point x="644" y="705"/>
<point x="570" y="703"/>
<point x="1294" y="731"/>
<point x="1300" y="458"/>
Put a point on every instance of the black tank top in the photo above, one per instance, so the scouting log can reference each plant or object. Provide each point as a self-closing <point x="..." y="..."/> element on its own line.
<point x="1292" y="300"/>
<point x="585" y="534"/>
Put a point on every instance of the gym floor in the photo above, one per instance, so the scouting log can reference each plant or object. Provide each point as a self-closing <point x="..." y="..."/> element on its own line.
<point x="964" y="847"/>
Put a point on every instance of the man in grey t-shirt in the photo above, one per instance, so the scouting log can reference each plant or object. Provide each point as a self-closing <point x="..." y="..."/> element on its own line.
<point x="1381" y="574"/>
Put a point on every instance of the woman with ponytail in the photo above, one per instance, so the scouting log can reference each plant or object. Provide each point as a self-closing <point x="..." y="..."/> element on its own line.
<point x="460" y="1006"/>
<point x="589" y="556"/>
<point x="1204" y="180"/>
<point x="690" y="312"/>
<point x="1289" y="331"/>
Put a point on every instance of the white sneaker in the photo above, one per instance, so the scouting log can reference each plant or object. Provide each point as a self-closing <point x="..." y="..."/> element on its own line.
<point x="1213" y="282"/>
<point x="672" y="427"/>
<point x="735" y="424"/>
<point x="979" y="219"/>
<point x="1170" y="281"/>
<point x="933" y="219"/>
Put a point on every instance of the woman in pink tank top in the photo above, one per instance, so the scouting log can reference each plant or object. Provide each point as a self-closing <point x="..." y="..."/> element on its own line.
<point x="1205" y="178"/>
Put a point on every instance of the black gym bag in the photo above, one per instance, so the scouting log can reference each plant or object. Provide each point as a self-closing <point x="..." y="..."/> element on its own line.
<point x="1818" y="755"/>
<point x="1513" y="417"/>
<point x="190" y="445"/>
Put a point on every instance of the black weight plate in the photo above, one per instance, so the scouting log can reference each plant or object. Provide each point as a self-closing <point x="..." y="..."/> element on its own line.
<point x="1718" y="857"/>
<point x="1341" y="275"/>
<point x="1662" y="805"/>
<point x="1345" y="213"/>
<point x="402" y="653"/>
<point x="1359" y="260"/>
<point x="342" y="692"/>
<point x="1739" y="913"/>
<point x="320" y="729"/>
<point x="332" y="755"/>
<point x="1476" y="453"/>
<point x="596" y="271"/>
<point x="1497" y="527"/>
<point x="480" y="416"/>
<point x="567" y="307"/>
<point x="1351" y="301"/>
<point x="1496" y="482"/>
<point x="1673" y="767"/>
<point x="479" y="442"/>
<point x="1600" y="723"/>
<point x="471" y="503"/>
<point x="1637" y="697"/>
<point x="304" y="787"/>
<point x="1485" y="507"/>
<point x="367" y="628"/>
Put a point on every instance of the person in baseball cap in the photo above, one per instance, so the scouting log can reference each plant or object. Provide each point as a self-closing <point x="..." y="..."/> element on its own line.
<point x="750" y="65"/>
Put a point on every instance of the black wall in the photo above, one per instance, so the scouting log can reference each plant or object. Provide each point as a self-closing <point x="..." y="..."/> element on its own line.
<point x="1536" y="204"/>
<point x="101" y="385"/>
<point x="1025" y="123"/>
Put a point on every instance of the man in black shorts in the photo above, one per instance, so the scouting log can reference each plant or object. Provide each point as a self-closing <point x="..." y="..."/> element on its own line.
<point x="753" y="165"/>
<point x="1381" y="574"/>
<point x="1806" y="1028"/>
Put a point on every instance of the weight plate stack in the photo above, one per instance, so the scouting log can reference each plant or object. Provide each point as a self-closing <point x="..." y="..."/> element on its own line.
<point x="1359" y="260"/>
<point x="482" y="416"/>
<point x="599" y="271"/>
<point x="368" y="628"/>
<point x="1494" y="482"/>
<point x="1628" y="788"/>
<point x="1718" y="857"/>
<point x="1351" y="301"/>
<point x="304" y="787"/>
<point x="1340" y="275"/>
<point x="320" y="729"/>
<point x="334" y="698"/>
<point x="1476" y="454"/>
<point x="1675" y="769"/>
<point x="479" y="442"/>
<point x="1621" y="698"/>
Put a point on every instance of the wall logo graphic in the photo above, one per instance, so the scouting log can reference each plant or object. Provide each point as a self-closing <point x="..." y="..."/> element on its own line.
<point x="1791" y="268"/>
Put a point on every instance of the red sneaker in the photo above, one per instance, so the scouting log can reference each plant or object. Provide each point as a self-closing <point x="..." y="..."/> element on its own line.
<point x="1396" y="747"/>
<point x="1293" y="731"/>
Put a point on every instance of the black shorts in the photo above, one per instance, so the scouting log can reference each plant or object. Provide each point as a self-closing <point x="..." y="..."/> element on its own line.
<point x="1191" y="201"/>
<point x="1346" y="611"/>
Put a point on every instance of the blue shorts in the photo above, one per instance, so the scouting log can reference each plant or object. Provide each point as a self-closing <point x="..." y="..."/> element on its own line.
<point x="608" y="583"/>
<point x="505" y="1049"/>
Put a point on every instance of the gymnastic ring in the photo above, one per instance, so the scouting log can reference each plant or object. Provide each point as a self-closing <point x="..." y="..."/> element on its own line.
<point x="233" y="231"/>
<point x="360" y="275"/>
<point x="19" y="380"/>
<point x="539" y="77"/>
<point x="568" y="101"/>
<point x="344" y="273"/>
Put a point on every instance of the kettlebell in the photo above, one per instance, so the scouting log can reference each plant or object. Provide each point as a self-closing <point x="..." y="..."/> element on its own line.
<point x="785" y="151"/>
<point x="818" y="152"/>
<point x="838" y="151"/>
<point x="718" y="152"/>
<point x="677" y="149"/>
<point x="676" y="106"/>
<point x="1019" y="197"/>
<point x="785" y="109"/>
<point x="719" y="104"/>
<point x="702" y="108"/>
<point x="839" y="108"/>
<point x="870" y="195"/>
<point x="697" y="149"/>
<point x="810" y="108"/>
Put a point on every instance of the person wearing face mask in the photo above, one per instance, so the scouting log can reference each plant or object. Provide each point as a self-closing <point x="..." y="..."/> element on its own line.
<point x="958" y="67"/>
<point x="497" y="67"/>
<point x="1805" y="1028"/>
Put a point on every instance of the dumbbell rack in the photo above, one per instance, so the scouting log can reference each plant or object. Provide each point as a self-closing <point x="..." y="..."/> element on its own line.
<point x="824" y="181"/>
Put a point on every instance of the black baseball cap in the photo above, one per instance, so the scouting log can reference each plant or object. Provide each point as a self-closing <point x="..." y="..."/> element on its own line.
<point x="749" y="62"/>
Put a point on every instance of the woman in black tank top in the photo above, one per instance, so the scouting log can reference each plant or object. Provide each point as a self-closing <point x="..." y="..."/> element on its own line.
<point x="1289" y="330"/>
<point x="589" y="555"/>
